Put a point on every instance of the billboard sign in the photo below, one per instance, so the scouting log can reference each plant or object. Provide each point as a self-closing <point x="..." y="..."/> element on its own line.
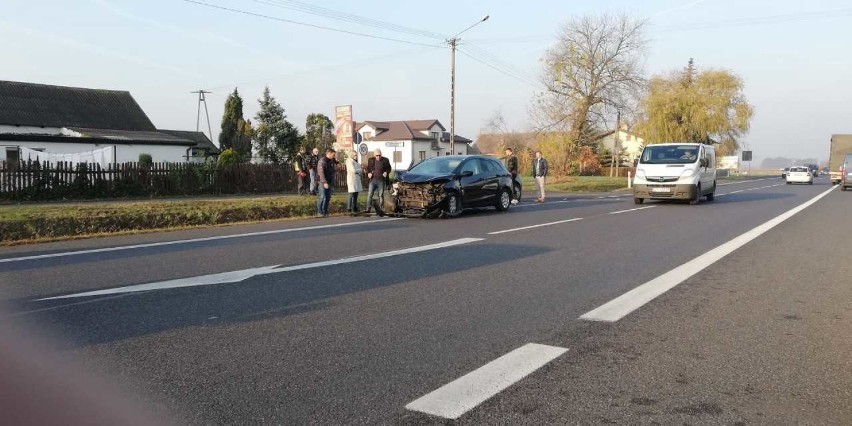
<point x="746" y="155"/>
<point x="345" y="128"/>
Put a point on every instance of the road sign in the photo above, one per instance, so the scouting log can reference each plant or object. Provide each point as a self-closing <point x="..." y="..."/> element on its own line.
<point x="746" y="155"/>
<point x="363" y="149"/>
<point x="394" y="144"/>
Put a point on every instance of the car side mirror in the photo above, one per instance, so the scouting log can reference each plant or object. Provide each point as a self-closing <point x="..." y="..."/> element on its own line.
<point x="703" y="162"/>
<point x="466" y="173"/>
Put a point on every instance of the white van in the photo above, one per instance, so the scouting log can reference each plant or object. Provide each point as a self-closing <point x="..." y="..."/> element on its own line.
<point x="675" y="171"/>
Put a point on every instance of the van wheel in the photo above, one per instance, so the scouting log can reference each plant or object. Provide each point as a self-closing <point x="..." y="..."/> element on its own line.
<point x="843" y="188"/>
<point x="695" y="199"/>
<point x="638" y="200"/>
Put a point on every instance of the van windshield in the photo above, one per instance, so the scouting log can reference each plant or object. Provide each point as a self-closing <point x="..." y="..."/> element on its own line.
<point x="670" y="154"/>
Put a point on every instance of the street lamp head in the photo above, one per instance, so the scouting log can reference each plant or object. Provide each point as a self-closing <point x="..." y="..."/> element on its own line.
<point x="485" y="18"/>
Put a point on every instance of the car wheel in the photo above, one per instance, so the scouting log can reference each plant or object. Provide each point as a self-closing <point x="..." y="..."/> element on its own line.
<point x="843" y="188"/>
<point x="638" y="200"/>
<point x="516" y="192"/>
<point x="504" y="200"/>
<point x="697" y="196"/>
<point x="788" y="183"/>
<point x="811" y="183"/>
<point x="453" y="207"/>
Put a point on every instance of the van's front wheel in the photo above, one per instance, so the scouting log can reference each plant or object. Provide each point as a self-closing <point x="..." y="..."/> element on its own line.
<point x="638" y="200"/>
<point x="697" y="197"/>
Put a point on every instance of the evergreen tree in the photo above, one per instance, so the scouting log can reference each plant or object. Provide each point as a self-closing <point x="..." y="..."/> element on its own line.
<point x="319" y="132"/>
<point x="231" y="120"/>
<point x="275" y="138"/>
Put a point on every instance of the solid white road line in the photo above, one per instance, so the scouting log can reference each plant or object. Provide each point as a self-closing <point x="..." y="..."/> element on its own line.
<point x="535" y="226"/>
<point x="241" y="275"/>
<point x="454" y="399"/>
<point x="632" y="210"/>
<point x="639" y="296"/>
<point x="194" y="240"/>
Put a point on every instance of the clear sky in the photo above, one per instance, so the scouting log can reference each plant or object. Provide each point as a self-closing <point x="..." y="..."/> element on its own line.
<point x="793" y="55"/>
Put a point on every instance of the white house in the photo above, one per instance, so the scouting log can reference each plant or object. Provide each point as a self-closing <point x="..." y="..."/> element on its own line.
<point x="407" y="142"/>
<point x="77" y="122"/>
<point x="629" y="145"/>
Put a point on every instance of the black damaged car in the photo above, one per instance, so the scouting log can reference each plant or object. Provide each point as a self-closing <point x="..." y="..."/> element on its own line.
<point x="444" y="186"/>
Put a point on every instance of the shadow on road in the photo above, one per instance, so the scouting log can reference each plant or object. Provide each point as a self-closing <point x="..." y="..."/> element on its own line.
<point x="262" y="297"/>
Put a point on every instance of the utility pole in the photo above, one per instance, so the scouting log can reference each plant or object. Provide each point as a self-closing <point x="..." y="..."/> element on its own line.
<point x="203" y="99"/>
<point x="615" y="143"/>
<point x="453" y="42"/>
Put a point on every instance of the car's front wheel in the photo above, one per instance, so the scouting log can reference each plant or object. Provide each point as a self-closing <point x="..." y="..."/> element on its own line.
<point x="504" y="200"/>
<point x="697" y="197"/>
<point x="453" y="205"/>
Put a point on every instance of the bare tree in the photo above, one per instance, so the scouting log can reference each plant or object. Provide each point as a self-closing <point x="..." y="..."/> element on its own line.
<point x="592" y="73"/>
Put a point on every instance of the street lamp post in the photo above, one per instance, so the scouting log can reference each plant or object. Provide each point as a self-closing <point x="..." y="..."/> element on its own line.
<point x="453" y="42"/>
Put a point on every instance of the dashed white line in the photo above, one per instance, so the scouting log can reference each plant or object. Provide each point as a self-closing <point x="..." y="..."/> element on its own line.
<point x="744" y="181"/>
<point x="639" y="296"/>
<point x="631" y="210"/>
<point x="193" y="240"/>
<point x="535" y="226"/>
<point x="454" y="399"/>
<point x="241" y="275"/>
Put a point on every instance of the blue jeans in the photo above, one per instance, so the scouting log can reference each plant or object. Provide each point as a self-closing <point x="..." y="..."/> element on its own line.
<point x="323" y="199"/>
<point x="379" y="187"/>
<point x="352" y="205"/>
<point x="314" y="181"/>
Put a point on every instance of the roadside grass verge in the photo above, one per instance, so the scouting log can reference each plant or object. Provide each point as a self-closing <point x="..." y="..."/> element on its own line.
<point x="576" y="184"/>
<point x="41" y="223"/>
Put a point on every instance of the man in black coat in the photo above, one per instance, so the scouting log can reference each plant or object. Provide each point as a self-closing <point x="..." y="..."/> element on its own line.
<point x="378" y="171"/>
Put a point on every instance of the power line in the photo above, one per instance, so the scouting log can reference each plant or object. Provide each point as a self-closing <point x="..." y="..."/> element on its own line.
<point x="497" y="60"/>
<point x="348" y="17"/>
<point x="275" y="18"/>
<point x="500" y="69"/>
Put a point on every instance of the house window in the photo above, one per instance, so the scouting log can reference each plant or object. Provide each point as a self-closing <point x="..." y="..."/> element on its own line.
<point x="460" y="153"/>
<point x="397" y="156"/>
<point x="422" y="155"/>
<point x="447" y="153"/>
<point x="368" y="136"/>
<point x="13" y="155"/>
<point x="436" y="135"/>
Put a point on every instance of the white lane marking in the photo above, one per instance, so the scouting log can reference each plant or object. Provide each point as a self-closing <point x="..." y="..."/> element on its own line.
<point x="632" y="210"/>
<point x="193" y="240"/>
<point x="67" y="305"/>
<point x="535" y="226"/>
<point x="542" y="204"/>
<point x="634" y="299"/>
<point x="241" y="275"/>
<point x="736" y="192"/>
<point x="454" y="399"/>
<point x="744" y="181"/>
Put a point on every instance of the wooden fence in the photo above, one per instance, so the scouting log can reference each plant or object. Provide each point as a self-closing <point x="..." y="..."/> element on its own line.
<point x="26" y="181"/>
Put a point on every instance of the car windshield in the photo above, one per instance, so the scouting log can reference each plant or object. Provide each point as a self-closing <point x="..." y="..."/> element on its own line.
<point x="670" y="154"/>
<point x="437" y="166"/>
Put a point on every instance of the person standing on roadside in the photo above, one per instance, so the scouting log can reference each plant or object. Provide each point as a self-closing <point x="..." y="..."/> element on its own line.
<point x="353" y="182"/>
<point x="512" y="167"/>
<point x="325" y="176"/>
<point x="378" y="171"/>
<point x="300" y="165"/>
<point x="539" y="174"/>
<point x="313" y="161"/>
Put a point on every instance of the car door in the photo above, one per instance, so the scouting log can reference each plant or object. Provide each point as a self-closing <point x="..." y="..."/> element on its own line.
<point x="707" y="169"/>
<point x="491" y="172"/>
<point x="471" y="186"/>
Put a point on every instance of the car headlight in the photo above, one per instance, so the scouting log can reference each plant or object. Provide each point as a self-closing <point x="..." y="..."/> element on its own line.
<point x="687" y="173"/>
<point x="640" y="174"/>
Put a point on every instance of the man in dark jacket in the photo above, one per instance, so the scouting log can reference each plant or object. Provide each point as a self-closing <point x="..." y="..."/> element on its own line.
<point x="313" y="161"/>
<point x="378" y="171"/>
<point x="539" y="174"/>
<point x="512" y="166"/>
<point x="300" y="165"/>
<point x="325" y="176"/>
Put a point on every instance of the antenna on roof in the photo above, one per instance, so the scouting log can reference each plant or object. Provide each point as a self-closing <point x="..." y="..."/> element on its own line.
<point x="203" y="99"/>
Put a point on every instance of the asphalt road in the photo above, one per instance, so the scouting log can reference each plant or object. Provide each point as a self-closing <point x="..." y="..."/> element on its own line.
<point x="351" y="323"/>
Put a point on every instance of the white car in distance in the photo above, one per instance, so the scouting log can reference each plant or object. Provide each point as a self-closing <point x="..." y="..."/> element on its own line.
<point x="799" y="175"/>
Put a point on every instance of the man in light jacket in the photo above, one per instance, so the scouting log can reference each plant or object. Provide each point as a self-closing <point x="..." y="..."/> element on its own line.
<point x="539" y="173"/>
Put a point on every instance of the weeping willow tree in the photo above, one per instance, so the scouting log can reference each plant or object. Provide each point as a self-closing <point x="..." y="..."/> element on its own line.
<point x="691" y="106"/>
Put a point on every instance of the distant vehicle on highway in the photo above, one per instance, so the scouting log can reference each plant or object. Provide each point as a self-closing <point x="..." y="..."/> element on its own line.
<point x="841" y="145"/>
<point x="814" y="169"/>
<point x="784" y="172"/>
<point x="846" y="173"/>
<point x="675" y="171"/>
<point x="800" y="174"/>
